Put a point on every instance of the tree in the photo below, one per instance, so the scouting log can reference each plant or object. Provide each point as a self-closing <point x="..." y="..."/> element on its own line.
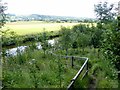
<point x="83" y="41"/>
<point x="104" y="15"/>
<point x="3" y="7"/>
<point x="104" y="12"/>
<point x="111" y="35"/>
<point x="111" y="46"/>
<point x="65" y="38"/>
<point x="96" y="38"/>
<point x="80" y="36"/>
<point x="2" y="18"/>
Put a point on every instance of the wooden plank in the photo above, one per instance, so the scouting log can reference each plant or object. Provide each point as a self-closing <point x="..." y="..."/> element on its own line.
<point x="84" y="74"/>
<point x="81" y="69"/>
<point x="70" y="85"/>
<point x="76" y="76"/>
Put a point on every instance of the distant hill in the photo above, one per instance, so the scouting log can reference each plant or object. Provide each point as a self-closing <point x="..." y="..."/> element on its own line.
<point x="37" y="17"/>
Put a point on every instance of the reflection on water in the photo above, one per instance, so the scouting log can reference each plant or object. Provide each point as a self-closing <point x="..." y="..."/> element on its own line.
<point x="51" y="42"/>
<point x="13" y="51"/>
<point x="38" y="45"/>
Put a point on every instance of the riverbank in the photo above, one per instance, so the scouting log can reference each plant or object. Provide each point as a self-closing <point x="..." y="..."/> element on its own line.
<point x="14" y="40"/>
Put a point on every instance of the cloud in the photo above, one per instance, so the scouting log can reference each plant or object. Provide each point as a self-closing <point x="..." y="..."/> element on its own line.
<point x="79" y="8"/>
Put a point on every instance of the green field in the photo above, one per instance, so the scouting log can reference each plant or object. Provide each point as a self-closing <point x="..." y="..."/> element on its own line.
<point x="22" y="28"/>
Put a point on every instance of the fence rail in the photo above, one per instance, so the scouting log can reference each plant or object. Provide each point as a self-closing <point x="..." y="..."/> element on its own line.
<point x="72" y="64"/>
<point x="78" y="73"/>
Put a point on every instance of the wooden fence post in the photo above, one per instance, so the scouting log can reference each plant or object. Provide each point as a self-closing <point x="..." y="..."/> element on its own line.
<point x="72" y="59"/>
<point x="87" y="68"/>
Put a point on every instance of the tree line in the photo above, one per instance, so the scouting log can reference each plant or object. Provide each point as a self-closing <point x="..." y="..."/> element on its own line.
<point x="104" y="37"/>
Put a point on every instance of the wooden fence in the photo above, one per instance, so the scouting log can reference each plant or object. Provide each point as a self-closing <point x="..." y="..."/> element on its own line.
<point x="71" y="85"/>
<point x="85" y="64"/>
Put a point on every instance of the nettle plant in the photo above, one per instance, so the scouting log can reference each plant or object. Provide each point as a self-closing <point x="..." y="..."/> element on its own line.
<point x="44" y="42"/>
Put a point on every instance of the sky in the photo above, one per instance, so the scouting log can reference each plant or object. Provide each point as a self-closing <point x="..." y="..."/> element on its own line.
<point x="76" y="8"/>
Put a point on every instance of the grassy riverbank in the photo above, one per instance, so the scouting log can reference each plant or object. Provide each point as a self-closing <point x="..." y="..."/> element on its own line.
<point x="32" y="70"/>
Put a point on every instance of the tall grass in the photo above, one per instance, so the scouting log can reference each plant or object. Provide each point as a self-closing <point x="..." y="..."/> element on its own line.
<point x="31" y="70"/>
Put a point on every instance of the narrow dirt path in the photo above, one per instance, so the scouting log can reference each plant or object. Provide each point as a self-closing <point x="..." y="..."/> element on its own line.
<point x="92" y="83"/>
<point x="0" y="84"/>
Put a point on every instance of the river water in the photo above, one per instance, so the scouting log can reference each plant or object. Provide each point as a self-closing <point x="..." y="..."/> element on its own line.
<point x="13" y="51"/>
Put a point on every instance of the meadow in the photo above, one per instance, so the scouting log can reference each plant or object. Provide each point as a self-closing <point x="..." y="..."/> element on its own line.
<point x="33" y="27"/>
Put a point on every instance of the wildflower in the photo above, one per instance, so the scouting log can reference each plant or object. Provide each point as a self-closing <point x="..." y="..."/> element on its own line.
<point x="30" y="63"/>
<point x="33" y="59"/>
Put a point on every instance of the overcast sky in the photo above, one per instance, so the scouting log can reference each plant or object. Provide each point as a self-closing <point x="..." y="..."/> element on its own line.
<point x="77" y="8"/>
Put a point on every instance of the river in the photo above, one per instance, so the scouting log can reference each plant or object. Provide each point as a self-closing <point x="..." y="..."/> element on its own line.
<point x="13" y="51"/>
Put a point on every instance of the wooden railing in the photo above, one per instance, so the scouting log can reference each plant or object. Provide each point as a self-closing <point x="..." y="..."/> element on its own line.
<point x="85" y="64"/>
<point x="70" y="86"/>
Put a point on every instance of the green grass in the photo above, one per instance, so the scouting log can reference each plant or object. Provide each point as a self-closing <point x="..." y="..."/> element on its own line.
<point x="44" y="72"/>
<point x="31" y="27"/>
<point x="17" y="70"/>
<point x="99" y="67"/>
